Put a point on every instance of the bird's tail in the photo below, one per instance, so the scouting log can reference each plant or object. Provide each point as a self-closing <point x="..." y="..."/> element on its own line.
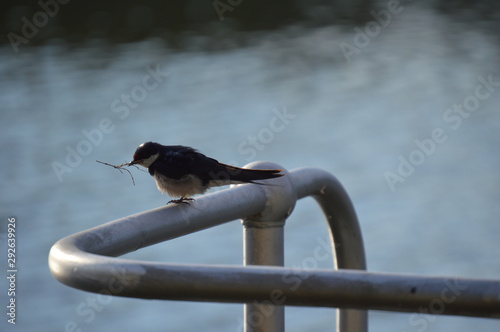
<point x="233" y="174"/>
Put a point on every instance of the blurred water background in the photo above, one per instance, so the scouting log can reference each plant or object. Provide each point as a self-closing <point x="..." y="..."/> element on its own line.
<point x="284" y="91"/>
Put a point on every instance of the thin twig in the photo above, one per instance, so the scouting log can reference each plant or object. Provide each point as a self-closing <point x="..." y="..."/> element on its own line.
<point x="120" y="168"/>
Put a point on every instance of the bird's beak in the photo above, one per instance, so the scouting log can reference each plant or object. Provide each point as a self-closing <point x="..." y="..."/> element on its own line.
<point x="133" y="162"/>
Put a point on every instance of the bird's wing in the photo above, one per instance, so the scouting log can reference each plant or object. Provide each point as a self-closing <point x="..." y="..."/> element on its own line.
<point x="179" y="161"/>
<point x="176" y="162"/>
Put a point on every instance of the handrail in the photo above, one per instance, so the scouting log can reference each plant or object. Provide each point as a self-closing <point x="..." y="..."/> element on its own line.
<point x="86" y="260"/>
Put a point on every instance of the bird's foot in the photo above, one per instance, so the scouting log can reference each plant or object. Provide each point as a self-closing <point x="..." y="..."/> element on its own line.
<point x="183" y="200"/>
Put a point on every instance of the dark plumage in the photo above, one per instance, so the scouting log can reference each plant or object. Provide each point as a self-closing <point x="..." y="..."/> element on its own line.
<point x="181" y="171"/>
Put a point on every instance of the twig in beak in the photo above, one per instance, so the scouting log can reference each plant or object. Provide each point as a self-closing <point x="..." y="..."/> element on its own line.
<point x="120" y="168"/>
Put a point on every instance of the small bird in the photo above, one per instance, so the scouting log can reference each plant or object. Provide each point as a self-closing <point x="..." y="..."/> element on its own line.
<point x="181" y="171"/>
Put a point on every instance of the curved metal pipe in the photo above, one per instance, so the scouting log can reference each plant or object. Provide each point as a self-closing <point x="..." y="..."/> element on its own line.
<point x="345" y="233"/>
<point x="84" y="261"/>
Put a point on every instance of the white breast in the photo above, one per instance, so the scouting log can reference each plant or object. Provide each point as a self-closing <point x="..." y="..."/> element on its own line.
<point x="187" y="186"/>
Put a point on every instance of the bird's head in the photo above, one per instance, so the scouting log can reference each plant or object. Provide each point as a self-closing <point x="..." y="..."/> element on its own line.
<point x="146" y="154"/>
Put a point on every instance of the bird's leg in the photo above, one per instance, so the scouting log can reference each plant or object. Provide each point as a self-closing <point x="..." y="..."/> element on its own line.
<point x="183" y="200"/>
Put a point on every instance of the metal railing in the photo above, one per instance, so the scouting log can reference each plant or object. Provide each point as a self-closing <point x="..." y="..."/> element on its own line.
<point x="86" y="260"/>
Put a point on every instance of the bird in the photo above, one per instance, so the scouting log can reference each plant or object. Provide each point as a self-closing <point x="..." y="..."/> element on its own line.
<point x="181" y="171"/>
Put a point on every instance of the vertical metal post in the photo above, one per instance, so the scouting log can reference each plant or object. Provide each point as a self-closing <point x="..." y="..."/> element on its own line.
<point x="263" y="245"/>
